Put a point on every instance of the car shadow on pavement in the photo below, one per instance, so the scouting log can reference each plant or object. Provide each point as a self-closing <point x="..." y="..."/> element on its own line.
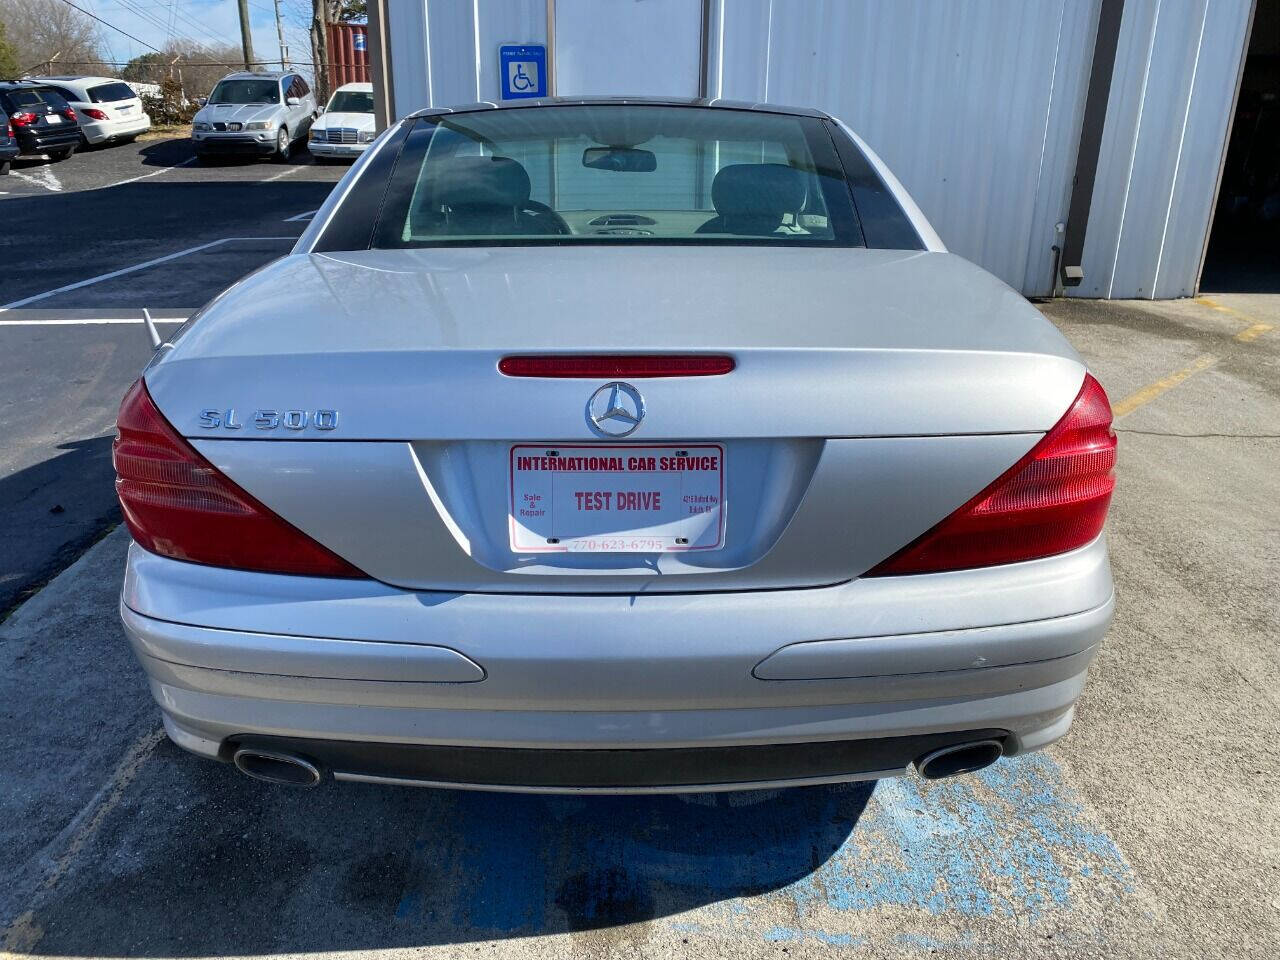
<point x="167" y="153"/>
<point x="51" y="511"/>
<point x="200" y="861"/>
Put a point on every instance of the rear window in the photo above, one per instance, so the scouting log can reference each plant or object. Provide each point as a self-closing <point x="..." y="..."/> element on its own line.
<point x="30" y="98"/>
<point x="111" y="92"/>
<point x="618" y="174"/>
<point x="246" y="91"/>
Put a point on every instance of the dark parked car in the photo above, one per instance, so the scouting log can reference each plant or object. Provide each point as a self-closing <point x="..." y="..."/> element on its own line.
<point x="42" y="120"/>
<point x="8" y="144"/>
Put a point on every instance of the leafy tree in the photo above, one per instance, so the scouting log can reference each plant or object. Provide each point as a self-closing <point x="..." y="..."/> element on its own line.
<point x="148" y="68"/>
<point x="9" y="65"/>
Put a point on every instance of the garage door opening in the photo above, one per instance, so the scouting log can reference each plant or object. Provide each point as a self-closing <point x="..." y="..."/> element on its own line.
<point x="1244" y="246"/>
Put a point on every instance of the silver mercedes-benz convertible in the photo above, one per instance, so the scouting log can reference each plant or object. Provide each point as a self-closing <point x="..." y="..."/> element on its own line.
<point x="618" y="446"/>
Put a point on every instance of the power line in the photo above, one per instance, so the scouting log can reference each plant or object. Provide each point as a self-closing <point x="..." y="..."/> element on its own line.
<point x="111" y="25"/>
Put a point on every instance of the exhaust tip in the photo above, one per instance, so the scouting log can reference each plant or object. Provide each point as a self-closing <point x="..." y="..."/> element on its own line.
<point x="959" y="758"/>
<point x="272" y="767"/>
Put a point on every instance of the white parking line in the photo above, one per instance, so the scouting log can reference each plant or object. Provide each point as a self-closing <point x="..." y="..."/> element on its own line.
<point x="153" y="173"/>
<point x="44" y="178"/>
<point x="73" y="321"/>
<point x="124" y="270"/>
<point x="301" y="216"/>
<point x="282" y="173"/>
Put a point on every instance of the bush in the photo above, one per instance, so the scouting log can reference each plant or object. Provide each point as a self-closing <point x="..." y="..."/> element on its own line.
<point x="171" y="105"/>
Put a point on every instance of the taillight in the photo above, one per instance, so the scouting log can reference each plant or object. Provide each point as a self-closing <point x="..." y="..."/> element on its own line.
<point x="23" y="118"/>
<point x="1052" y="500"/>
<point x="93" y="114"/>
<point x="596" y="366"/>
<point x="69" y="113"/>
<point x="178" y="505"/>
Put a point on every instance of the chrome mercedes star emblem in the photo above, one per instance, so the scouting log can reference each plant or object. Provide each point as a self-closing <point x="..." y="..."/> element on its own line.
<point x="616" y="409"/>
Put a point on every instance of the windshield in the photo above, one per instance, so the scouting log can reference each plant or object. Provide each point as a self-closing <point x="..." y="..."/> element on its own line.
<point x="246" y="91"/>
<point x="618" y="174"/>
<point x="351" y="101"/>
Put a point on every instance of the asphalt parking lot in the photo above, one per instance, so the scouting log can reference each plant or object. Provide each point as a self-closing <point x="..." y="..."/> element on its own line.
<point x="1150" y="831"/>
<point x="86" y="244"/>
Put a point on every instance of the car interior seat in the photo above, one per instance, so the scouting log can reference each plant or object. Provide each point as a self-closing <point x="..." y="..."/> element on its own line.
<point x="483" y="196"/>
<point x="752" y="198"/>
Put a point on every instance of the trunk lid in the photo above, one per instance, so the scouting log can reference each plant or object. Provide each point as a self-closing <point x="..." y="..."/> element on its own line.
<point x="874" y="392"/>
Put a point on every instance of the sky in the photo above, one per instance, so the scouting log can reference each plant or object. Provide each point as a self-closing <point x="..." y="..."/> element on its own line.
<point x="211" y="22"/>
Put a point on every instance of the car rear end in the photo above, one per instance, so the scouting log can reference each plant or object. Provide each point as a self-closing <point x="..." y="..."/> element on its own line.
<point x="112" y="111"/>
<point x="42" y="120"/>
<point x="8" y="143"/>
<point x="778" y="508"/>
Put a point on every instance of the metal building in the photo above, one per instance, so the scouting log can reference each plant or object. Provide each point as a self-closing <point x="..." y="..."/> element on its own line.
<point x="1045" y="139"/>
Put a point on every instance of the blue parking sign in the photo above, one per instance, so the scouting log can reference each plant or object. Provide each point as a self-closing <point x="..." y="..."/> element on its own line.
<point x="523" y="70"/>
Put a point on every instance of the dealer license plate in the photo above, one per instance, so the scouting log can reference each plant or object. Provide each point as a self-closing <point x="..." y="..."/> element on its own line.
<point x="616" y="499"/>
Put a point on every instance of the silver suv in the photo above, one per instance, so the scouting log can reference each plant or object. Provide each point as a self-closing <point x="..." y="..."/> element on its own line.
<point x="260" y="114"/>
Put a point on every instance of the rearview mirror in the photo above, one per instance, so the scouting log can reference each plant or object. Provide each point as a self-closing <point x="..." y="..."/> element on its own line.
<point x="202" y="101"/>
<point x="619" y="159"/>
<point x="293" y="101"/>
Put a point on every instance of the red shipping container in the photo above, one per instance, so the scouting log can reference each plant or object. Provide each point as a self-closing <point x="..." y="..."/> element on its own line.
<point x="348" y="54"/>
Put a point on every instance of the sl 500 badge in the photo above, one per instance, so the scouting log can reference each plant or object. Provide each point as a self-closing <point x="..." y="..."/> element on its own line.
<point x="214" y="419"/>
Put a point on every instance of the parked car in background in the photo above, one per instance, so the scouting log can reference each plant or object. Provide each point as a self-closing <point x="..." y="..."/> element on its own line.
<point x="110" y="110"/>
<point x="254" y="114"/>
<point x="762" y="485"/>
<point x="42" y="120"/>
<point x="8" y="145"/>
<point x="346" y="127"/>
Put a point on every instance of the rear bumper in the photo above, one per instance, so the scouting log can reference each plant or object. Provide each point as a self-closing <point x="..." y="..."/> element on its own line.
<point x="100" y="131"/>
<point x="35" y="143"/>
<point x="621" y="681"/>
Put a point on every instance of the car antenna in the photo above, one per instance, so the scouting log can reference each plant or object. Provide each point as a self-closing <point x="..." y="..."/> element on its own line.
<point x="152" y="332"/>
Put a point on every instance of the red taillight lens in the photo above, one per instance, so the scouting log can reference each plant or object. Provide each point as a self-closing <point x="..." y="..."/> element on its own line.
<point x="1052" y="500"/>
<point x="22" y="119"/>
<point x="632" y="366"/>
<point x="178" y="505"/>
<point x="69" y="113"/>
<point x="91" y="113"/>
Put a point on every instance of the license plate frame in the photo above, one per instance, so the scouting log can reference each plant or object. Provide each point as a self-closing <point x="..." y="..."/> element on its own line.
<point x="580" y="498"/>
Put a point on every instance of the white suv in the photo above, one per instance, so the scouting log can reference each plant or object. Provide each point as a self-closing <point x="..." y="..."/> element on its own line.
<point x="109" y="109"/>
<point x="260" y="114"/>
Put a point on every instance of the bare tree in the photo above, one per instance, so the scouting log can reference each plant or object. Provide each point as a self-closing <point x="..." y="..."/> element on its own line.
<point x="42" y="30"/>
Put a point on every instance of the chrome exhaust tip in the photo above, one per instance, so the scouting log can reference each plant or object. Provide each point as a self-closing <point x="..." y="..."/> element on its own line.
<point x="273" y="767"/>
<point x="959" y="758"/>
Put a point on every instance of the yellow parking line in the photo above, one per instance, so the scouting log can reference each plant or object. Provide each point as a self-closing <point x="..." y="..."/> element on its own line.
<point x="1249" y="334"/>
<point x="24" y="933"/>
<point x="1153" y="390"/>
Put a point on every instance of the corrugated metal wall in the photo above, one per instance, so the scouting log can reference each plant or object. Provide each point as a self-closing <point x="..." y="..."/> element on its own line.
<point x="975" y="104"/>
<point x="1177" y="67"/>
<point x="446" y="53"/>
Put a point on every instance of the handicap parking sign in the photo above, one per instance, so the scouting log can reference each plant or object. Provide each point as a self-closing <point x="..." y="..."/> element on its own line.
<point x="523" y="69"/>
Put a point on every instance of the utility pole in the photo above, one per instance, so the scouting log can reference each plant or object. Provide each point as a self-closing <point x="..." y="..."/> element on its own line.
<point x="246" y="37"/>
<point x="284" y="50"/>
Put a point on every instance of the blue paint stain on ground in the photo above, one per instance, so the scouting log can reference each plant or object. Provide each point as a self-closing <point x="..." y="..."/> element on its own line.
<point x="1012" y="841"/>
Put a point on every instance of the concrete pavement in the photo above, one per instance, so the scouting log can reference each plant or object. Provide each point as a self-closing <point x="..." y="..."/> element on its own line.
<point x="1150" y="831"/>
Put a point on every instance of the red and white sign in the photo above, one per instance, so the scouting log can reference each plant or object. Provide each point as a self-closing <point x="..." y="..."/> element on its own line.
<point x="602" y="498"/>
